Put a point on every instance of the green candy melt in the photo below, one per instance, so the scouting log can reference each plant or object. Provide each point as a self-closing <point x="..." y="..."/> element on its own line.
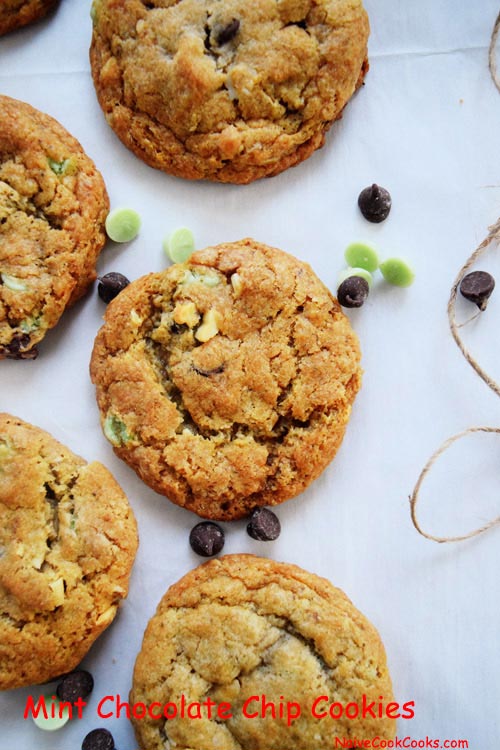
<point x="348" y="272"/>
<point x="57" y="715"/>
<point x="362" y="255"/>
<point x="396" y="271"/>
<point x="116" y="430"/>
<point x="122" y="224"/>
<point x="179" y="245"/>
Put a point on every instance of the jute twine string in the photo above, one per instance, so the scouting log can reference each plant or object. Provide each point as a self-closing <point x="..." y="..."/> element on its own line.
<point x="492" y="237"/>
<point x="428" y="466"/>
<point x="492" y="54"/>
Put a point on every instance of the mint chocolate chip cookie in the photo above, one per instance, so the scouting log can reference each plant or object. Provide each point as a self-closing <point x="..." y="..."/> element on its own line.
<point x="68" y="540"/>
<point x="227" y="381"/>
<point x="264" y="649"/>
<point x="17" y="13"/>
<point x="53" y="205"/>
<point x="226" y="91"/>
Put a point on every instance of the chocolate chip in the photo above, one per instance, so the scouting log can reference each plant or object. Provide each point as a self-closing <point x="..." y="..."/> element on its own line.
<point x="75" y="685"/>
<point x="264" y="525"/>
<point x="98" y="739"/>
<point x="206" y="538"/>
<point x="353" y="291"/>
<point x="477" y="287"/>
<point x="375" y="203"/>
<point x="110" y="285"/>
<point x="208" y="373"/>
<point x="19" y="348"/>
<point x="228" y="32"/>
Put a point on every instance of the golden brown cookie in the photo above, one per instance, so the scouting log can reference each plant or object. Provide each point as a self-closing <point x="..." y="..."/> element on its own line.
<point x="227" y="91"/>
<point x="240" y="630"/>
<point x="68" y="539"/>
<point x="17" y="13"/>
<point x="227" y="382"/>
<point x="53" y="204"/>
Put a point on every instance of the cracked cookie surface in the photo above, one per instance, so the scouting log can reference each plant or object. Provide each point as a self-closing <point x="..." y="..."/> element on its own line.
<point x="242" y="626"/>
<point x="17" y="13"/>
<point x="53" y="204"/>
<point x="227" y="382"/>
<point x="226" y="91"/>
<point x="68" y="539"/>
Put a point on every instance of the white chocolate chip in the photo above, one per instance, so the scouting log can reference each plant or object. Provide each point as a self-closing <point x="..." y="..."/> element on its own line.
<point x="236" y="283"/>
<point x="37" y="562"/>
<point x="210" y="326"/>
<point x="210" y="279"/>
<point x="135" y="318"/>
<point x="107" y="616"/>
<point x="186" y="313"/>
<point x="58" y="589"/>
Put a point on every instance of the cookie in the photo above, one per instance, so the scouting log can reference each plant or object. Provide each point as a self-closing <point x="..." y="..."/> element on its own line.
<point x="227" y="382"/>
<point x="241" y="630"/>
<point x="17" y="13"/>
<point x="226" y="91"/>
<point x="68" y="539"/>
<point x="53" y="204"/>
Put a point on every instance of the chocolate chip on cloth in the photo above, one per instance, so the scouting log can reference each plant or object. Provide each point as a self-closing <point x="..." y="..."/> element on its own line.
<point x="68" y="540"/>
<point x="242" y="626"/>
<point x="17" y="13"/>
<point x="231" y="91"/>
<point x="206" y="539"/>
<point x="264" y="525"/>
<point x="375" y="203"/>
<point x="353" y="291"/>
<point x="53" y="205"/>
<point x="98" y="739"/>
<point x="478" y="287"/>
<point x="110" y="285"/>
<point x="75" y="685"/>
<point x="226" y="382"/>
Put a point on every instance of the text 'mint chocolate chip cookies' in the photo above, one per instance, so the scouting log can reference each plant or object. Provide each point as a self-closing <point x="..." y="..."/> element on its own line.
<point x="242" y="630"/>
<point x="226" y="91"/>
<point x="227" y="382"/>
<point x="68" y="540"/>
<point x="53" y="204"/>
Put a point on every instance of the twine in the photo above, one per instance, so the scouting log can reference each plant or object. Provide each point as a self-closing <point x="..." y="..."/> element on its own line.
<point x="428" y="466"/>
<point x="493" y="236"/>
<point x="492" y="54"/>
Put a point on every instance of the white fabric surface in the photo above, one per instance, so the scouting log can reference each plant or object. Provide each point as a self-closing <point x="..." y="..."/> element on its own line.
<point x="425" y="126"/>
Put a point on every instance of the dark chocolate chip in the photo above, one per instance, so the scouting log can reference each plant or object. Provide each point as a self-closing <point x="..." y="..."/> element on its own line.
<point x="207" y="373"/>
<point x="264" y="525"/>
<point x="228" y="32"/>
<point x="110" y="285"/>
<point x="19" y="348"/>
<point x="477" y="287"/>
<point x="353" y="291"/>
<point x="375" y="203"/>
<point x="98" y="739"/>
<point x="75" y="685"/>
<point x="208" y="46"/>
<point x="206" y="538"/>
